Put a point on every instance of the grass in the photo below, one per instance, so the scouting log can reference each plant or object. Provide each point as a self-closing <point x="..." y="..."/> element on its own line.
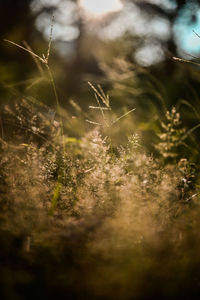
<point x="87" y="212"/>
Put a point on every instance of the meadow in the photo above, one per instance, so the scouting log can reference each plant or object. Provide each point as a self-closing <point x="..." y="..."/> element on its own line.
<point x="95" y="202"/>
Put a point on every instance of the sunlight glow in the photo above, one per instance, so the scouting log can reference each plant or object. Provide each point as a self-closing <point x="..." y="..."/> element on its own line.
<point x="100" y="8"/>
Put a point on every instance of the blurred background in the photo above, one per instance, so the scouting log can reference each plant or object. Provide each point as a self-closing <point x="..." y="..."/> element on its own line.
<point x="148" y="33"/>
<point x="125" y="45"/>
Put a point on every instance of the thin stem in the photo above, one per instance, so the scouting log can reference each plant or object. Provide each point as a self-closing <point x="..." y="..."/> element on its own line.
<point x="123" y="116"/>
<point x="50" y="40"/>
<point x="102" y="112"/>
<point x="185" y="61"/>
<point x="53" y="85"/>
<point x="27" y="50"/>
<point x="37" y="62"/>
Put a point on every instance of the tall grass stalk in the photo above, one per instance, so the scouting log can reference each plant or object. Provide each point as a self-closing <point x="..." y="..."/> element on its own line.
<point x="44" y="59"/>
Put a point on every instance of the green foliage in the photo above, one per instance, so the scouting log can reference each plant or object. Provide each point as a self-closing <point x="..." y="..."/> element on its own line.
<point x="171" y="136"/>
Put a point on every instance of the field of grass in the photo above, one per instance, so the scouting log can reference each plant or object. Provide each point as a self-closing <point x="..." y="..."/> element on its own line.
<point x="91" y="207"/>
